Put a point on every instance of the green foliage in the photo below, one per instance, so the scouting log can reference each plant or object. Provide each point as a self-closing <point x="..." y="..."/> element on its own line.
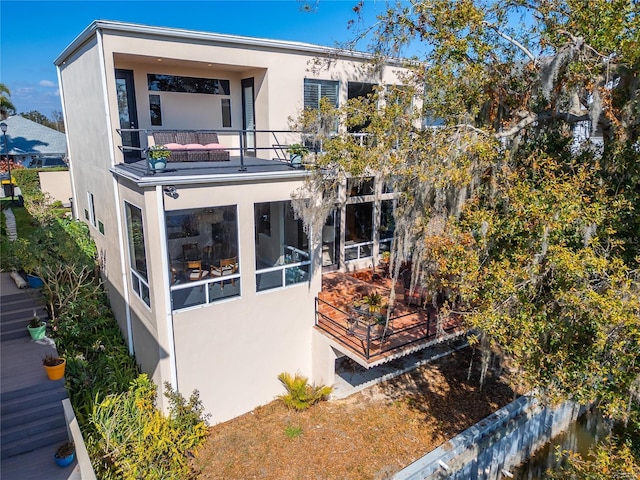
<point x="300" y="395"/>
<point x="6" y="106"/>
<point x="134" y="440"/>
<point x="158" y="152"/>
<point x="608" y="461"/>
<point x="298" y="149"/>
<point x="54" y="241"/>
<point x="127" y="437"/>
<point x="373" y="302"/>
<point x="36" y="116"/>
<point x="185" y="415"/>
<point x="527" y="231"/>
<point x="292" y="431"/>
<point x="28" y="181"/>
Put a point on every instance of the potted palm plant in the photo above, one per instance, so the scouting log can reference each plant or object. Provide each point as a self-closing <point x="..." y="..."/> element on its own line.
<point x="157" y="156"/>
<point x="64" y="454"/>
<point x="372" y="302"/>
<point x="37" y="328"/>
<point x="54" y="366"/>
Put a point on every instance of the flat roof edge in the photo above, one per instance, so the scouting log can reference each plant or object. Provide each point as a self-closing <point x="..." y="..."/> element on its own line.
<point x="239" y="177"/>
<point x="172" y="32"/>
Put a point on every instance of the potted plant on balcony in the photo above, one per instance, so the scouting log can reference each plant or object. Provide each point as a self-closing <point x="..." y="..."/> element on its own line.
<point x="54" y="366"/>
<point x="297" y="152"/>
<point x="372" y="302"/>
<point x="64" y="455"/>
<point x="157" y="156"/>
<point x="36" y="327"/>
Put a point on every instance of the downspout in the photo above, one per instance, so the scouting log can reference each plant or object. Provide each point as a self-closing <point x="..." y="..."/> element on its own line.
<point x="123" y="266"/>
<point x="166" y="287"/>
<point x="74" y="194"/>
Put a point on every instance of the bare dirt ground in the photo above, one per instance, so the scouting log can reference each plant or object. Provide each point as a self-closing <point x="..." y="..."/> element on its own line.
<point x="369" y="435"/>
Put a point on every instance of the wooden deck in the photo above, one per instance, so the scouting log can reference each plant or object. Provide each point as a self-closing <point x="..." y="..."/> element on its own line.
<point x="410" y="328"/>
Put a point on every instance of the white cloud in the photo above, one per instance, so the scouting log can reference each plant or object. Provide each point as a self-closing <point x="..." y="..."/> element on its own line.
<point x="47" y="83"/>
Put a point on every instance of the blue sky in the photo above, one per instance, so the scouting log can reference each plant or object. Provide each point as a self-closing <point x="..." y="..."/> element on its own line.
<point x="34" y="33"/>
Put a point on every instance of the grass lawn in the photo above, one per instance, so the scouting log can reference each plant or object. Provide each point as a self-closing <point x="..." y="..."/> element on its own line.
<point x="24" y="221"/>
<point x="369" y="435"/>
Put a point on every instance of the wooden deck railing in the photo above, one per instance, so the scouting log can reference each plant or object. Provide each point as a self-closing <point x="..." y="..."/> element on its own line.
<point x="375" y="341"/>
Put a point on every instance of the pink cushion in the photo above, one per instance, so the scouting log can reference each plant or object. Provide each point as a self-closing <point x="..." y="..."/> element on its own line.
<point x="212" y="146"/>
<point x="174" y="146"/>
<point x="194" y="146"/>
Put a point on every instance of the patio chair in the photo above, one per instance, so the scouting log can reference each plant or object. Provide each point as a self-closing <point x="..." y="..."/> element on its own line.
<point x="227" y="266"/>
<point x="195" y="270"/>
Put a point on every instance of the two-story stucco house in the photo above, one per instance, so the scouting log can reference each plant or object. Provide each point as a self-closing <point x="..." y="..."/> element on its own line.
<point x="213" y="280"/>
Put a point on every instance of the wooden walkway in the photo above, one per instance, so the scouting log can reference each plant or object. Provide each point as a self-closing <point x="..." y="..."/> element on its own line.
<point x="32" y="422"/>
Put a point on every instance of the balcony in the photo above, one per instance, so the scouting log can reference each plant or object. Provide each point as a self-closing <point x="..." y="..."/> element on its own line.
<point x="203" y="152"/>
<point x="351" y="331"/>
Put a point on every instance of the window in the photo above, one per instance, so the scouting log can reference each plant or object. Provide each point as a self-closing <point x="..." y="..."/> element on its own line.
<point x="314" y="90"/>
<point x="137" y="254"/>
<point x="175" y="83"/>
<point x="92" y="209"/>
<point x="204" y="266"/>
<point x="282" y="246"/>
<point x="155" y="110"/>
<point x="101" y="227"/>
<point x="387" y="225"/>
<point x="226" y="112"/>
<point x="330" y="245"/>
<point x="360" y="187"/>
<point x="358" y="90"/>
<point x="358" y="234"/>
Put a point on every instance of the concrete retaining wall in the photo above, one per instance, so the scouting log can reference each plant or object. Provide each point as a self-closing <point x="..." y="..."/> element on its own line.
<point x="490" y="448"/>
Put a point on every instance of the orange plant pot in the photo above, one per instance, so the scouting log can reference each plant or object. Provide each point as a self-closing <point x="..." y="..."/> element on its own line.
<point x="56" y="372"/>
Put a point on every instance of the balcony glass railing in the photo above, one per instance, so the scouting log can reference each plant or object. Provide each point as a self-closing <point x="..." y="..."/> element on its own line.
<point x="356" y="251"/>
<point x="240" y="144"/>
<point x="204" y="292"/>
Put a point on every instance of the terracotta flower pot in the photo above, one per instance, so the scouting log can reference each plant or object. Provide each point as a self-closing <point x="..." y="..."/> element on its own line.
<point x="56" y="372"/>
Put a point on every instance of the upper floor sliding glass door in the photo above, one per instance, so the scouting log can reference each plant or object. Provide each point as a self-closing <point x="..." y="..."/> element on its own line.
<point x="128" y="115"/>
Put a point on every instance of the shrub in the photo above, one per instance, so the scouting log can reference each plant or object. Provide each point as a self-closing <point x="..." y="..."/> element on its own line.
<point x="185" y="415"/>
<point x="134" y="440"/>
<point x="28" y="181"/>
<point x="292" y="431"/>
<point x="300" y="395"/>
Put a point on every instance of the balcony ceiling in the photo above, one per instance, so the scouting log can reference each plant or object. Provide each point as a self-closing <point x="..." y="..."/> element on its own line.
<point x="179" y="63"/>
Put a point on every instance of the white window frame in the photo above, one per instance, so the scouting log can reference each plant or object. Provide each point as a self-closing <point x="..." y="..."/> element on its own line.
<point x="137" y="280"/>
<point x="92" y="208"/>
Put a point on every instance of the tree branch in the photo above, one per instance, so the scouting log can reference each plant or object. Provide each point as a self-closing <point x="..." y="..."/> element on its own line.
<point x="512" y="41"/>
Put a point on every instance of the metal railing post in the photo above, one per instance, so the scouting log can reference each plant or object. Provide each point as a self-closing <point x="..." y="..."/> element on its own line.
<point x="242" y="167"/>
<point x="368" y="352"/>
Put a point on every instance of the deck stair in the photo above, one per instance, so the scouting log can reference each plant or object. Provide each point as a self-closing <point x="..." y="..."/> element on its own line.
<point x="32" y="422"/>
<point x="17" y="310"/>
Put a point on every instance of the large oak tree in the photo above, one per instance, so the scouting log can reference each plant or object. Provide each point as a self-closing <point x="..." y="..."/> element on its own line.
<point x="510" y="212"/>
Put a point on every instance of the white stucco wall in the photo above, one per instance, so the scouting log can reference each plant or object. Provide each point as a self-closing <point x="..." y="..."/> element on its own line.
<point x="56" y="184"/>
<point x="233" y="350"/>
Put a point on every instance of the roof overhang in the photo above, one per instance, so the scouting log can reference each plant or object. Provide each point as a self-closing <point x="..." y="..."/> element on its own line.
<point x="219" y="39"/>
